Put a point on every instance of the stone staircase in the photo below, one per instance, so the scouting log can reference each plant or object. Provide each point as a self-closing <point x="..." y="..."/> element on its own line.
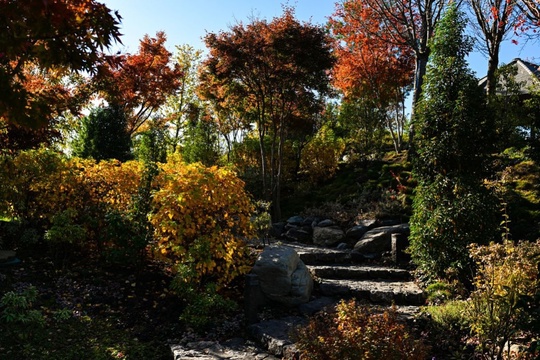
<point x="345" y="274"/>
<point x="342" y="274"/>
<point x="338" y="274"/>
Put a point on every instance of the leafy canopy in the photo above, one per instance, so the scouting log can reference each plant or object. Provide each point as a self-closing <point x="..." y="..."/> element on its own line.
<point x="42" y="38"/>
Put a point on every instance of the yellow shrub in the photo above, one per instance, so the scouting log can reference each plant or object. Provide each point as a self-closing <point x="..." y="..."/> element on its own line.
<point x="37" y="184"/>
<point x="201" y="218"/>
<point x="321" y="155"/>
<point x="110" y="182"/>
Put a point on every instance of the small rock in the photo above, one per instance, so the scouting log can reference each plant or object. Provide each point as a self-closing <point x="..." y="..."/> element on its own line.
<point x="295" y="220"/>
<point x="326" y="223"/>
<point x="298" y="235"/>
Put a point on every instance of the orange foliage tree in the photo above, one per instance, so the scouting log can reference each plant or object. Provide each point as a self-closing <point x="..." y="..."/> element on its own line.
<point x="276" y="72"/>
<point x="402" y="23"/>
<point x="374" y="65"/>
<point x="43" y="39"/>
<point x="140" y="83"/>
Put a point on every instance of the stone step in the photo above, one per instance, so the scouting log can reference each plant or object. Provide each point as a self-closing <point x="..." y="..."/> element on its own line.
<point x="378" y="292"/>
<point x="314" y="255"/>
<point x="275" y="335"/>
<point x="358" y="272"/>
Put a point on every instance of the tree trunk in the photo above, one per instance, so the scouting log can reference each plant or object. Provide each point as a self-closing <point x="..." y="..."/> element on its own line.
<point x="493" y="64"/>
<point x="419" y="73"/>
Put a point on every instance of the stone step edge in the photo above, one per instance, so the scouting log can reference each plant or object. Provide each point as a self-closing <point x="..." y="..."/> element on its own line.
<point x="378" y="292"/>
<point x="359" y="272"/>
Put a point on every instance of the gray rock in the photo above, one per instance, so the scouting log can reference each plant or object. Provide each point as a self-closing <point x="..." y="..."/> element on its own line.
<point x="356" y="232"/>
<point x="326" y="223"/>
<point x="379" y="239"/>
<point x="211" y="350"/>
<point x="367" y="223"/>
<point x="342" y="246"/>
<point x="298" y="234"/>
<point x="283" y="277"/>
<point x="295" y="220"/>
<point x="274" y="334"/>
<point x="301" y="282"/>
<point x="309" y="220"/>
<point x="317" y="305"/>
<point x="327" y="236"/>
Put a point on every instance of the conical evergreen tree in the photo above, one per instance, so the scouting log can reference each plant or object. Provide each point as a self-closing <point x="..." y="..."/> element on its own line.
<point x="452" y="208"/>
<point x="103" y="135"/>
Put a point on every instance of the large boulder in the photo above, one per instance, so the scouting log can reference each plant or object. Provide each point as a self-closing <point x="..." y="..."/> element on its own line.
<point x="379" y="239"/>
<point x="283" y="277"/>
<point x="327" y="236"/>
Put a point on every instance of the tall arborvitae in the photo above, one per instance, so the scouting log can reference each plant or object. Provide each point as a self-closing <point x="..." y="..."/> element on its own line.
<point x="452" y="208"/>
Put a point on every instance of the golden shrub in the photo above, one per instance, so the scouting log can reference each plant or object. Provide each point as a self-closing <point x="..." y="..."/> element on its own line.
<point x="201" y="218"/>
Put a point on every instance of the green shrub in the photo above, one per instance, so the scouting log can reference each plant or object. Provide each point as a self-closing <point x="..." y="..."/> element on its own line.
<point x="65" y="235"/>
<point x="19" y="314"/>
<point x="441" y="291"/>
<point x="448" y="328"/>
<point x="448" y="216"/>
<point x="205" y="308"/>
<point x="355" y="332"/>
<point x="124" y="244"/>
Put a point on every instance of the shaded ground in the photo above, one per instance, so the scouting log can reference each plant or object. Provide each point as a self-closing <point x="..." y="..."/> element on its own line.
<point x="114" y="312"/>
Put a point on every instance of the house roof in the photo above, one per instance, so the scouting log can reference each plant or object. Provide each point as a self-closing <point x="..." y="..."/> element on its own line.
<point x="528" y="74"/>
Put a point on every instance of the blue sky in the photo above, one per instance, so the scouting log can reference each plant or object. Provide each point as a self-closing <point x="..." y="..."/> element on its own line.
<point x="187" y="22"/>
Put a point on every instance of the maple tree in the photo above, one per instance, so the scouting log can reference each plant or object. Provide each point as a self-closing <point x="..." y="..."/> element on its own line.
<point x="43" y="39"/>
<point x="401" y="23"/>
<point x="495" y="20"/>
<point x="140" y="83"/>
<point x="372" y="66"/>
<point x="275" y="72"/>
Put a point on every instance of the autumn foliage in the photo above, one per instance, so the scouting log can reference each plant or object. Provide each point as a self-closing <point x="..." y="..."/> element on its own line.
<point x="271" y="74"/>
<point x="141" y="82"/>
<point x="201" y="216"/>
<point x="368" y="64"/>
<point x="44" y="39"/>
<point x="39" y="184"/>
<point x="201" y="219"/>
<point x="352" y="332"/>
